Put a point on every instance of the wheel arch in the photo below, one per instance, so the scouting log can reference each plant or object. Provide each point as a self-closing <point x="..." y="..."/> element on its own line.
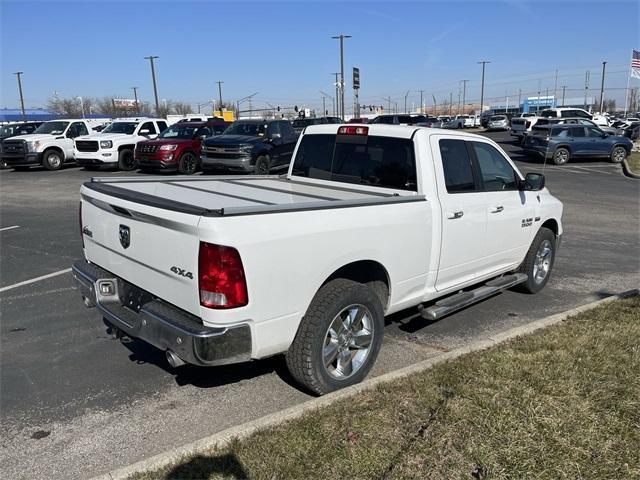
<point x="553" y="225"/>
<point x="126" y="147"/>
<point x="57" y="149"/>
<point x="368" y="272"/>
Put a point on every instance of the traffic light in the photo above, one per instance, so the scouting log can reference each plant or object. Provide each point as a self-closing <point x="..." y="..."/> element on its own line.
<point x="278" y="108"/>
<point x="295" y="109"/>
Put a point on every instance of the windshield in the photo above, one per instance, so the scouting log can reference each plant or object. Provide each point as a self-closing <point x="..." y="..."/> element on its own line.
<point x="305" y="122"/>
<point x="121" y="127"/>
<point x="245" y="128"/>
<point x="52" y="128"/>
<point x="179" y="131"/>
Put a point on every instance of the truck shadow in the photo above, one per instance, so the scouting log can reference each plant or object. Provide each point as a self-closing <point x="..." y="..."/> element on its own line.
<point x="201" y="466"/>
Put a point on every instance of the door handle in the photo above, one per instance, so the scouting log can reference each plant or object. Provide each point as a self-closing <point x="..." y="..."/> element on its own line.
<point x="497" y="209"/>
<point x="454" y="215"/>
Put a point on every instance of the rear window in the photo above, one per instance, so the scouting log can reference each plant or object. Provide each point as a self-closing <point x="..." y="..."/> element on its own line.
<point x="548" y="113"/>
<point x="498" y="117"/>
<point x="377" y="161"/>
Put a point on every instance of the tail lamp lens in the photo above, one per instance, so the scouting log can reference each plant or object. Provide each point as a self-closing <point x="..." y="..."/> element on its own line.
<point x="221" y="277"/>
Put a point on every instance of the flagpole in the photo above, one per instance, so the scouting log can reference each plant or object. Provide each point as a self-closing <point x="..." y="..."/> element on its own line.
<point x="626" y="96"/>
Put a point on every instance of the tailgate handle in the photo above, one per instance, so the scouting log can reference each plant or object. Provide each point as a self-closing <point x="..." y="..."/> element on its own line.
<point x="121" y="211"/>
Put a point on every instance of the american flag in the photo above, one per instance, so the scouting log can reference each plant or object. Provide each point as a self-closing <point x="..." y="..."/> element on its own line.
<point x="635" y="64"/>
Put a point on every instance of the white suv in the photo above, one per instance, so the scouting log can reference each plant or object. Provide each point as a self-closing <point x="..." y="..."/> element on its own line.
<point x="116" y="143"/>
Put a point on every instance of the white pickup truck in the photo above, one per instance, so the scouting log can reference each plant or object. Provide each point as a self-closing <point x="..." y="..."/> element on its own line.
<point x="369" y="220"/>
<point x="50" y="145"/>
<point x="115" y="145"/>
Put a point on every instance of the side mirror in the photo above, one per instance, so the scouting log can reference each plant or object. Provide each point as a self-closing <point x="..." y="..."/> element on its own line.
<point x="275" y="136"/>
<point x="533" y="182"/>
<point x="144" y="131"/>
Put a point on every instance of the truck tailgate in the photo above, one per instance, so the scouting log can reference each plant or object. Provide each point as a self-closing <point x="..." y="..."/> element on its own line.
<point x="160" y="252"/>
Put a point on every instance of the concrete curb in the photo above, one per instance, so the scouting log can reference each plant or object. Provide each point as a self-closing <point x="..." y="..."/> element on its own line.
<point x="627" y="170"/>
<point x="224" y="437"/>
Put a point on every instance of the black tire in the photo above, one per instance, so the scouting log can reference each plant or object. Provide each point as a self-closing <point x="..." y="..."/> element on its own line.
<point x="535" y="284"/>
<point x="187" y="164"/>
<point x="305" y="357"/>
<point x="263" y="165"/>
<point x="618" y="154"/>
<point x="561" y="156"/>
<point x="52" y="159"/>
<point x="126" y="160"/>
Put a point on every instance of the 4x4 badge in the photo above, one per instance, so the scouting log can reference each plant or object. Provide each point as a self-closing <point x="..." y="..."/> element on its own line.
<point x="125" y="236"/>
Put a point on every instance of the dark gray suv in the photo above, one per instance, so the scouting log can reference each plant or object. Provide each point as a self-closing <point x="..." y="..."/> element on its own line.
<point x="560" y="143"/>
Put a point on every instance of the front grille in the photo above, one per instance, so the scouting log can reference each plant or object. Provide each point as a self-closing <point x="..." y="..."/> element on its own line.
<point x="13" y="146"/>
<point x="226" y="151"/>
<point x="87" y="145"/>
<point x="147" y="148"/>
<point x="517" y="121"/>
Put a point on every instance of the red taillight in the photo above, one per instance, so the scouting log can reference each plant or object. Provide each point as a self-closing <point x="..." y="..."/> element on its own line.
<point x="352" y="130"/>
<point x="221" y="277"/>
<point x="80" y="223"/>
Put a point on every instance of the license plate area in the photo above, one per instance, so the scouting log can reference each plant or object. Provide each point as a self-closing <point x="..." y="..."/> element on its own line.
<point x="132" y="297"/>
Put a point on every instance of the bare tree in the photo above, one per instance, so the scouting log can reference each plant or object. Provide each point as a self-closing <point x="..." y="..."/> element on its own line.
<point x="71" y="107"/>
<point x="182" y="108"/>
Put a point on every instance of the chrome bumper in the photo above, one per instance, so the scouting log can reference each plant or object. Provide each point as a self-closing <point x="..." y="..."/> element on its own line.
<point x="140" y="315"/>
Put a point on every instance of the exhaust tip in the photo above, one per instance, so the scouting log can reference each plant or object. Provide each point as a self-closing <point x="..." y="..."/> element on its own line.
<point x="174" y="360"/>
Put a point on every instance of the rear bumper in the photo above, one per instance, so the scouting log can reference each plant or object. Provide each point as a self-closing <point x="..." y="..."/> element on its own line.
<point x="158" y="323"/>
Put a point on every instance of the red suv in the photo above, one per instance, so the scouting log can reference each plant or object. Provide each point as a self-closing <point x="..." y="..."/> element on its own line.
<point x="177" y="147"/>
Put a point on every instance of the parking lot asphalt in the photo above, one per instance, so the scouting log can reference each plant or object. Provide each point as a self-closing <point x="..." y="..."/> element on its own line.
<point x="75" y="402"/>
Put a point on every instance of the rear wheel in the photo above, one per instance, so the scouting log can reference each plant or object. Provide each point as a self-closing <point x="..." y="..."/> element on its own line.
<point x="263" y="165"/>
<point x="188" y="164"/>
<point x="52" y="160"/>
<point x="539" y="261"/>
<point x="339" y="337"/>
<point x="618" y="154"/>
<point x="561" y="156"/>
<point x="126" y="161"/>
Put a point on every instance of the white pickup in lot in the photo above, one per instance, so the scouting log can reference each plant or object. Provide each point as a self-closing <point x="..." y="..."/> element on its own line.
<point x="115" y="145"/>
<point x="368" y="221"/>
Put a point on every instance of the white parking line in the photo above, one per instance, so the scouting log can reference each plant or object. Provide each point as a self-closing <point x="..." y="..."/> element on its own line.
<point x="9" y="228"/>
<point x="33" y="280"/>
<point x="594" y="171"/>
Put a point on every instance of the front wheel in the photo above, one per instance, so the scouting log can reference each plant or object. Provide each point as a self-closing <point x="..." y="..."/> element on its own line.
<point x="618" y="154"/>
<point x="561" y="156"/>
<point x="263" y="165"/>
<point x="188" y="164"/>
<point x="52" y="160"/>
<point x="126" y="160"/>
<point x="339" y="337"/>
<point x="539" y="261"/>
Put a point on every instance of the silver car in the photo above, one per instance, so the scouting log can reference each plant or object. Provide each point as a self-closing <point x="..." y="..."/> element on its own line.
<point x="498" y="122"/>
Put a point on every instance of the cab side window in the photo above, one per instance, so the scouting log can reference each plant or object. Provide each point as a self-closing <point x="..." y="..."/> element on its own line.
<point x="497" y="173"/>
<point x="456" y="163"/>
<point x="594" y="132"/>
<point x="149" y="126"/>
<point x="577" y="132"/>
<point x="287" y="130"/>
<point x="76" y="129"/>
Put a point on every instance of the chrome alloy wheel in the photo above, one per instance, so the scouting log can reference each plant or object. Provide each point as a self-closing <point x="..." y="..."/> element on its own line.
<point x="562" y="156"/>
<point x="54" y="160"/>
<point x="542" y="263"/>
<point x="348" y="341"/>
<point x="619" y="154"/>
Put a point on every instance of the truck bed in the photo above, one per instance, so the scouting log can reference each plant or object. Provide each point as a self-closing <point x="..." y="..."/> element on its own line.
<point x="241" y="195"/>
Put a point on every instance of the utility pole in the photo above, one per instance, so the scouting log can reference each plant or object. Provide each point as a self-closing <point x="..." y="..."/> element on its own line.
<point x="153" y="77"/>
<point x="450" y="102"/>
<point x="18" y="75"/>
<point x="326" y="95"/>
<point x="587" y="76"/>
<point x="135" y="96"/>
<point x="555" y="87"/>
<point x="341" y="37"/>
<point x="336" y="110"/>
<point x="519" y="97"/>
<point x="483" y="62"/>
<point x="464" y="93"/>
<point x="405" y="101"/>
<point x="563" y="89"/>
<point x="602" y="87"/>
<point x="421" y="102"/>
<point x="220" y="94"/>
<point x="388" y="99"/>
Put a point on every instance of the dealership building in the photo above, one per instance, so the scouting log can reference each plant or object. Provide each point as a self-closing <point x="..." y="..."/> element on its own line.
<point x="535" y="104"/>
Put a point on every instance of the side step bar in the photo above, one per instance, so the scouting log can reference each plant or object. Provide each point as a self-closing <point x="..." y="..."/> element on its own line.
<point x="460" y="300"/>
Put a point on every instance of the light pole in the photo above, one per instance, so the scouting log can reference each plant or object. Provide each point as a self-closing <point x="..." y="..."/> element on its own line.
<point x="464" y="93"/>
<point x="341" y="37"/>
<point x="421" y="102"/>
<point x="220" y="94"/>
<point x="388" y="99"/>
<point x="243" y="99"/>
<point x="336" y="111"/>
<point x="564" y="87"/>
<point x="602" y="87"/>
<point x="151" y="58"/>
<point x="483" y="62"/>
<point x="81" y="105"/>
<point x="326" y="95"/>
<point x="135" y="96"/>
<point x="405" y="101"/>
<point x="18" y="75"/>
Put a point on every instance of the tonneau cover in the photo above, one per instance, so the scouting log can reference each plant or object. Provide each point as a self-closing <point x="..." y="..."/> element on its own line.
<point x="241" y="195"/>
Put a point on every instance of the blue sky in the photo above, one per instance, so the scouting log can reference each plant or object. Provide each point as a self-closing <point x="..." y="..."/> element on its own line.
<point x="283" y="50"/>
